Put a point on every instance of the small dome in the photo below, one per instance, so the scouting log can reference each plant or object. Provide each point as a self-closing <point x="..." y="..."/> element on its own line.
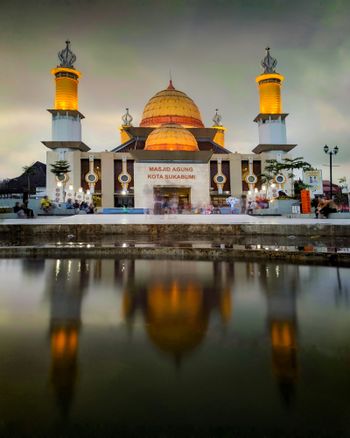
<point x="171" y="137"/>
<point x="171" y="106"/>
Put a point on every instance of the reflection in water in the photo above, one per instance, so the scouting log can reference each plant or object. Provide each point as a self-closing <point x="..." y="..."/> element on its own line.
<point x="280" y="284"/>
<point x="176" y="303"/>
<point x="67" y="282"/>
<point x="273" y="316"/>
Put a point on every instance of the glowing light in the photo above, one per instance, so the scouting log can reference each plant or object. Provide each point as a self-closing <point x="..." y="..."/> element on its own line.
<point x="70" y="188"/>
<point x="80" y="190"/>
<point x="59" y="184"/>
<point x="88" y="192"/>
<point x="273" y="185"/>
<point x="263" y="188"/>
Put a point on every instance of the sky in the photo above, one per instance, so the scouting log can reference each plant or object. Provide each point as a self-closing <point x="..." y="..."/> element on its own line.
<point x="213" y="48"/>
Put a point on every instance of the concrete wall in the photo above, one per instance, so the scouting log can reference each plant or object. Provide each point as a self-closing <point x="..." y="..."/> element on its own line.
<point x="107" y="181"/>
<point x="272" y="132"/>
<point x="66" y="128"/>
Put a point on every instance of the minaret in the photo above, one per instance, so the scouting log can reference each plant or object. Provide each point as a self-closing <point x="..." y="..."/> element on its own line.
<point x="66" y="121"/>
<point x="219" y="136"/>
<point x="126" y="123"/>
<point x="271" y="120"/>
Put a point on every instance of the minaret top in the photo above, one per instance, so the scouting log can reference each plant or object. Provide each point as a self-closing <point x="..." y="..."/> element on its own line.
<point x="217" y="118"/>
<point x="66" y="57"/>
<point x="269" y="63"/>
<point x="127" y="118"/>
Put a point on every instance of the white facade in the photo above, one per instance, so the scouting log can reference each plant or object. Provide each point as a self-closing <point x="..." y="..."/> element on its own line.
<point x="150" y="176"/>
<point x="272" y="131"/>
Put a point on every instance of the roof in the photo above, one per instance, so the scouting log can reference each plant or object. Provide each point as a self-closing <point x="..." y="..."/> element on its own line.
<point x="204" y="137"/>
<point x="273" y="147"/>
<point x="78" y="145"/>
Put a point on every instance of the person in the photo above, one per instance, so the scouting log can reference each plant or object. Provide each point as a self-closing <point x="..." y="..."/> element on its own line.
<point x="69" y="204"/>
<point x="45" y="204"/>
<point x="90" y="209"/>
<point x="76" y="206"/>
<point x="314" y="204"/>
<point x="244" y="206"/>
<point x="157" y="203"/>
<point x="28" y="211"/>
<point x="216" y="209"/>
<point x="18" y="209"/>
<point x="251" y="207"/>
<point x="328" y="206"/>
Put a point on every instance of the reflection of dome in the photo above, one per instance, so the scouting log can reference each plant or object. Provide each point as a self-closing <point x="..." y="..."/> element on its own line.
<point x="171" y="106"/>
<point x="176" y="322"/>
<point x="171" y="137"/>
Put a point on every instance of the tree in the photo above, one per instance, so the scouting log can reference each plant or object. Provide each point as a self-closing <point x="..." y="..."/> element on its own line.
<point x="266" y="178"/>
<point x="273" y="167"/>
<point x="60" y="169"/>
<point x="291" y="164"/>
<point x="28" y="171"/>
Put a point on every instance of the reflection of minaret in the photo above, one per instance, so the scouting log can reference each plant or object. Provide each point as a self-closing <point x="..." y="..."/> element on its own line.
<point x="280" y="283"/>
<point x="176" y="307"/>
<point x="68" y="281"/>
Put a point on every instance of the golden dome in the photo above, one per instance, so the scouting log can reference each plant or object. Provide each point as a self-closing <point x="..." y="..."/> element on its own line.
<point x="171" y="137"/>
<point x="171" y="106"/>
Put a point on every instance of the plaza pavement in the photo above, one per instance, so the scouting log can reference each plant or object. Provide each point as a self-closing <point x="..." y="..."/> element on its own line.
<point x="176" y="219"/>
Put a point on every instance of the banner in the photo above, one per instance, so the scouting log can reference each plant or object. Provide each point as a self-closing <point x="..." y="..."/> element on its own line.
<point x="313" y="178"/>
<point x="305" y="202"/>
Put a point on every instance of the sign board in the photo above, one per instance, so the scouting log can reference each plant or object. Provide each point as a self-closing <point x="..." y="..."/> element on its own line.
<point x="313" y="178"/>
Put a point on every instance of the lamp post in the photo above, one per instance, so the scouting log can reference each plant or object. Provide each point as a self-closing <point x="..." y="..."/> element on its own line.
<point x="331" y="152"/>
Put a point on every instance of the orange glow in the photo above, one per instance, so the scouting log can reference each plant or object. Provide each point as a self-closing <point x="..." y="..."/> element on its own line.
<point x="219" y="136"/>
<point x="171" y="137"/>
<point x="270" y="93"/>
<point x="283" y="335"/>
<point x="66" y="96"/>
<point x="226" y="305"/>
<point x="171" y="106"/>
<point x="124" y="136"/>
<point x="64" y="341"/>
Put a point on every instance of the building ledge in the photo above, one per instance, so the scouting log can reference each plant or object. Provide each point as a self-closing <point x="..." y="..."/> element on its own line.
<point x="72" y="113"/>
<point x="142" y="156"/>
<point x="262" y="116"/>
<point x="273" y="147"/>
<point x="77" y="145"/>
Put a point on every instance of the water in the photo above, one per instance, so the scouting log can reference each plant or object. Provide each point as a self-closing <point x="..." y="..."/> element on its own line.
<point x="173" y="348"/>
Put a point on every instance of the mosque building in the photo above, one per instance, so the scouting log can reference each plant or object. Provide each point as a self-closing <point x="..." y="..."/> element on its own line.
<point x="171" y="153"/>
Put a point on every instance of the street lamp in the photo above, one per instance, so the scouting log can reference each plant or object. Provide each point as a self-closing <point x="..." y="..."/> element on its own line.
<point x="331" y="152"/>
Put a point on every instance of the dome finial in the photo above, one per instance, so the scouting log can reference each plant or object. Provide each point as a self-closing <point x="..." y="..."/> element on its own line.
<point x="269" y="63"/>
<point x="67" y="57"/>
<point x="127" y="118"/>
<point x="171" y="86"/>
<point x="217" y="118"/>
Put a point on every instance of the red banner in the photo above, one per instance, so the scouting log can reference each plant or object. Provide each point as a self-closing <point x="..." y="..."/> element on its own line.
<point x="305" y="202"/>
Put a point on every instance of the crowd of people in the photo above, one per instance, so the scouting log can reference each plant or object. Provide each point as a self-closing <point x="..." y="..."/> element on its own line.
<point x="323" y="207"/>
<point x="47" y="206"/>
<point x="79" y="207"/>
